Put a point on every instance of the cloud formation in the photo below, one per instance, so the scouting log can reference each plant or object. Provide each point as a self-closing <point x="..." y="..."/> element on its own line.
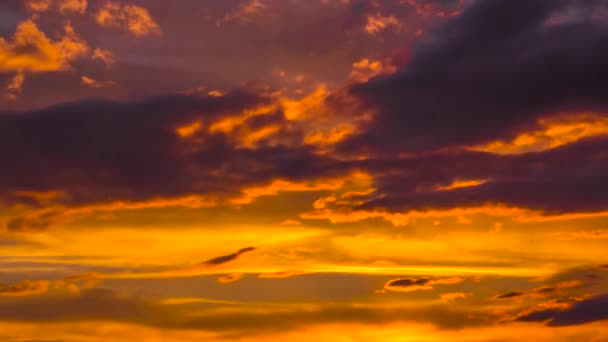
<point x="465" y="84"/>
<point x="32" y="50"/>
<point x="132" y="18"/>
<point x="588" y="310"/>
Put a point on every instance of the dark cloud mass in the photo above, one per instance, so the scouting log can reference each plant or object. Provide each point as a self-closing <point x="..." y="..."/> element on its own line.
<point x="564" y="179"/>
<point x="589" y="310"/>
<point x="490" y="73"/>
<point x="103" y="150"/>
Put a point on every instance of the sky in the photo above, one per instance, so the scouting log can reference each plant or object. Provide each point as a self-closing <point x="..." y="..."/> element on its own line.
<point x="329" y="170"/>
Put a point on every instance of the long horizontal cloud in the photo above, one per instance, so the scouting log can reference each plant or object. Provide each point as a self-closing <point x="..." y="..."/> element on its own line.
<point x="481" y="77"/>
<point x="543" y="181"/>
<point x="106" y="305"/>
<point x="133" y="151"/>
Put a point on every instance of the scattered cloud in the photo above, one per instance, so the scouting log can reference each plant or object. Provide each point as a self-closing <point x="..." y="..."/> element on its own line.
<point x="90" y="82"/>
<point x="132" y="18"/>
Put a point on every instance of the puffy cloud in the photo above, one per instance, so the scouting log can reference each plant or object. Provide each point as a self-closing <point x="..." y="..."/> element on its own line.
<point x="103" y="55"/>
<point x="452" y="296"/>
<point x="33" y="51"/>
<point x="132" y="18"/>
<point x="38" y="5"/>
<point x="78" y="6"/>
<point x="15" y="85"/>
<point x="377" y="23"/>
<point x="63" y="6"/>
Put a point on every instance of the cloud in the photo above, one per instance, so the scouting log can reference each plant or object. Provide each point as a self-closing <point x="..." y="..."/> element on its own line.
<point x="465" y="85"/>
<point x="15" y="85"/>
<point x="588" y="310"/>
<point x="416" y="284"/>
<point x="230" y="278"/>
<point x="365" y="69"/>
<point x="509" y="180"/>
<point x="38" y="5"/>
<point x="452" y="296"/>
<point x="542" y="291"/>
<point x="25" y="288"/>
<point x="30" y="50"/>
<point x="107" y="305"/>
<point x="104" y="55"/>
<point x="63" y="6"/>
<point x="281" y="274"/>
<point x="377" y="23"/>
<point x="245" y="12"/>
<point x="132" y="18"/>
<point x="227" y="258"/>
<point x="90" y="82"/>
<point x="78" y="6"/>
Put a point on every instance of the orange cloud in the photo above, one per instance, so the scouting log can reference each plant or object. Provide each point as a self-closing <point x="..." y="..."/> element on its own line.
<point x="304" y="107"/>
<point x="63" y="6"/>
<point x="281" y="274"/>
<point x="15" y="85"/>
<point x="188" y="130"/>
<point x="38" y="5"/>
<point x="93" y="83"/>
<point x="377" y="23"/>
<point x="365" y="69"/>
<point x="230" y="278"/>
<point x="452" y="296"/>
<point x="31" y="50"/>
<point x="77" y="6"/>
<point x="553" y="132"/>
<point x="582" y="234"/>
<point x="244" y="13"/>
<point x="291" y="223"/>
<point x="103" y="55"/>
<point x="279" y="185"/>
<point x="53" y="215"/>
<point x="458" y="184"/>
<point x="25" y="288"/>
<point x="132" y="18"/>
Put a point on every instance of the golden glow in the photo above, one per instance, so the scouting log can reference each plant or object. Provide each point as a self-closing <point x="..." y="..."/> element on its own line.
<point x="305" y="107"/>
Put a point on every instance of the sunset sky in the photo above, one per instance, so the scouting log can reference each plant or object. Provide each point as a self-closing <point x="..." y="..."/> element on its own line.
<point x="303" y="170"/>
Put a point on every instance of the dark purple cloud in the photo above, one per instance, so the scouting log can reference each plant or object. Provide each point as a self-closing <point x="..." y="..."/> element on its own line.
<point x="564" y="179"/>
<point x="586" y="311"/>
<point x="489" y="74"/>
